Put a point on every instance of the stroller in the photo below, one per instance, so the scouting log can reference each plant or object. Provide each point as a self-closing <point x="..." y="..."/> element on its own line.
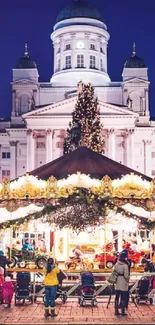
<point x="23" y="288"/>
<point x="60" y="293"/>
<point x="143" y="290"/>
<point x="88" y="289"/>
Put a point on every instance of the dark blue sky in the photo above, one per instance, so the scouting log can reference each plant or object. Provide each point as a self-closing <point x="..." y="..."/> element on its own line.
<point x="32" y="21"/>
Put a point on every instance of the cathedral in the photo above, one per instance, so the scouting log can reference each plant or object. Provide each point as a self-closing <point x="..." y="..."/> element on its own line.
<point x="41" y="112"/>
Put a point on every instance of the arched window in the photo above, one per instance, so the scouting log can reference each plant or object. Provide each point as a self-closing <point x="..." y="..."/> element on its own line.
<point x="102" y="66"/>
<point x="80" y="61"/>
<point x="24" y="104"/>
<point x="68" y="62"/>
<point x="134" y="96"/>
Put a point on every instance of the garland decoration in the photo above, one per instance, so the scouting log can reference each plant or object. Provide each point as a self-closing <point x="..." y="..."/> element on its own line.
<point x="78" y="211"/>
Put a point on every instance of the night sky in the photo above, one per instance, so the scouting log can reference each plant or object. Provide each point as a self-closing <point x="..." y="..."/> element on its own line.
<point x="32" y="21"/>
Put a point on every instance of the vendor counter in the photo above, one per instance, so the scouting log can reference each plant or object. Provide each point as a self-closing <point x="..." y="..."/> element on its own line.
<point x="77" y="271"/>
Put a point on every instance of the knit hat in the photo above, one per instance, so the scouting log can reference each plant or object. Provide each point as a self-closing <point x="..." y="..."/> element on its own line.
<point x="122" y="256"/>
<point x="125" y="251"/>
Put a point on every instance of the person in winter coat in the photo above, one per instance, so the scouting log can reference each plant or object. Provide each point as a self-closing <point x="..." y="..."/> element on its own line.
<point x="51" y="282"/>
<point x="4" y="261"/>
<point x="8" y="290"/>
<point x="122" y="283"/>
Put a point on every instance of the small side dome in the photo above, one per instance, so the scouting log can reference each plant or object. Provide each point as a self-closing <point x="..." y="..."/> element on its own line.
<point x="134" y="61"/>
<point x="25" y="62"/>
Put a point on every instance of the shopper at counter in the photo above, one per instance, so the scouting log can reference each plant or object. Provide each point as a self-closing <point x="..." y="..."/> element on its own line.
<point x="51" y="283"/>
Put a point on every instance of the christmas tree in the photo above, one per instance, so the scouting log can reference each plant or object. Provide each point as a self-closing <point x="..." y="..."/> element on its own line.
<point x="85" y="128"/>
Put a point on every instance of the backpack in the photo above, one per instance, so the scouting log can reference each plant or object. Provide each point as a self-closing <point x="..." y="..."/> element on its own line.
<point x="113" y="277"/>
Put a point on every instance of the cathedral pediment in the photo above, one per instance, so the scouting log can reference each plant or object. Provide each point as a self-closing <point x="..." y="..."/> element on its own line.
<point x="23" y="82"/>
<point x="136" y="80"/>
<point x="66" y="107"/>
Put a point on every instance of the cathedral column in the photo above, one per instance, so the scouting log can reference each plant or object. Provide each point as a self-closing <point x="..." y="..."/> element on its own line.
<point x="49" y="145"/>
<point x="13" y="155"/>
<point x="127" y="148"/>
<point x="125" y="97"/>
<point x="146" y="103"/>
<point x="132" y="142"/>
<point x="30" y="150"/>
<point x="87" y="59"/>
<point x="13" y="102"/>
<point x="147" y="157"/>
<point x="61" y="53"/>
<point x="111" y="144"/>
<point x="55" y="61"/>
<point x="74" y="63"/>
<point x="99" y="53"/>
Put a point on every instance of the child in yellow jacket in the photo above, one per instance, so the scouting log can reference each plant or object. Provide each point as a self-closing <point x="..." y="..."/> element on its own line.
<point x="51" y="283"/>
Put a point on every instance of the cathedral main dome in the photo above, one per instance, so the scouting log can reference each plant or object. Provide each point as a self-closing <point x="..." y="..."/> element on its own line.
<point x="79" y="9"/>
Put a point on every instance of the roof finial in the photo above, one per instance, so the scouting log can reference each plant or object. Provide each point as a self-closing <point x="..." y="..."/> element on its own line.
<point x="134" y="49"/>
<point x="26" y="51"/>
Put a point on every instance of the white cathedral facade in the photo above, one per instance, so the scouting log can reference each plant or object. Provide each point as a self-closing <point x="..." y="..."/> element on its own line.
<point x="41" y="112"/>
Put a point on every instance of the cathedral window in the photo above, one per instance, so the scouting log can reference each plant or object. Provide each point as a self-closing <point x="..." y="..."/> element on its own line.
<point x="68" y="46"/>
<point x="40" y="145"/>
<point x="5" y="155"/>
<point x="92" y="47"/>
<point x="5" y="174"/>
<point x="102" y="66"/>
<point x="92" y="62"/>
<point x="80" y="61"/>
<point x="58" y="65"/>
<point x="68" y="62"/>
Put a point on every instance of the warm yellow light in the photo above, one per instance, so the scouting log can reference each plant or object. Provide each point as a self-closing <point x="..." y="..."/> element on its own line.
<point x="133" y="181"/>
<point x="28" y="179"/>
<point x="79" y="180"/>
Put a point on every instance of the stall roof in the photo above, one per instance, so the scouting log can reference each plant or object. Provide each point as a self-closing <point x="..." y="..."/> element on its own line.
<point x="86" y="161"/>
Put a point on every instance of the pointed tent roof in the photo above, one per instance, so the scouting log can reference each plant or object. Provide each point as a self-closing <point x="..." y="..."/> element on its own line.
<point x="86" y="161"/>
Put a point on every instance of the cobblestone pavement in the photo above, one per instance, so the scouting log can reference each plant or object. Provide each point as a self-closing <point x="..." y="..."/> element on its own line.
<point x="72" y="313"/>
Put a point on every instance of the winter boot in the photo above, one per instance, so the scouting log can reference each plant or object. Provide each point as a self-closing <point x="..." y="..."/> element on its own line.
<point x="117" y="313"/>
<point x="53" y="313"/>
<point x="123" y="313"/>
<point x="47" y="314"/>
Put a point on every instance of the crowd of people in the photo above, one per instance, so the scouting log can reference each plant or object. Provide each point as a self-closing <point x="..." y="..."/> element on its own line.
<point x="53" y="275"/>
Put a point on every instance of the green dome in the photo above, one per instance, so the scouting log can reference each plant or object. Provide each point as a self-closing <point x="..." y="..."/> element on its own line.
<point x="78" y="9"/>
<point x="134" y="61"/>
<point x="25" y="62"/>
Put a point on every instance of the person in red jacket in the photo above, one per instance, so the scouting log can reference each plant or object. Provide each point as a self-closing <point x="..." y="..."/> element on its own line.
<point x="8" y="290"/>
<point x="1" y="284"/>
